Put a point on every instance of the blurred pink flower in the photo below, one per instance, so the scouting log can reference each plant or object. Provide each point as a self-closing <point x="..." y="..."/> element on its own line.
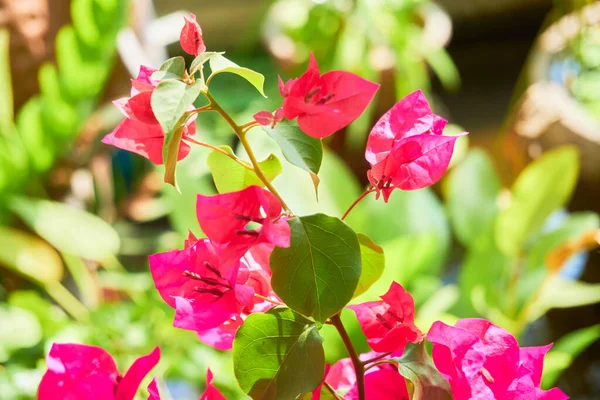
<point x="211" y="392"/>
<point x="77" y="371"/>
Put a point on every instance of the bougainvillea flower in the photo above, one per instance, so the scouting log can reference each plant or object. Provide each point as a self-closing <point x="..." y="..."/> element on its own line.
<point x="191" y="37"/>
<point x="256" y="261"/>
<point x="406" y="148"/>
<point x="482" y="361"/>
<point x="77" y="371"/>
<point x="267" y="118"/>
<point x="140" y="132"/>
<point x="224" y="219"/>
<point x="389" y="324"/>
<point x="194" y="282"/>
<point x="211" y="392"/>
<point x="326" y="103"/>
<point x="382" y="382"/>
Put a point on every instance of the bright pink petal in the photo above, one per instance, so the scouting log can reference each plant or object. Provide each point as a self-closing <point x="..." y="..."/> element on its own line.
<point x="265" y="118"/>
<point x="191" y="37"/>
<point x="409" y="116"/>
<point x="341" y="376"/>
<point x="143" y="139"/>
<point x="350" y="96"/>
<point x="153" y="390"/>
<point x="389" y="324"/>
<point x="200" y="315"/>
<point x="383" y="384"/>
<point x="221" y="337"/>
<point x="532" y="358"/>
<point x="211" y="393"/>
<point x="552" y="394"/>
<point x="130" y="383"/>
<point x="77" y="372"/>
<point x="141" y="108"/>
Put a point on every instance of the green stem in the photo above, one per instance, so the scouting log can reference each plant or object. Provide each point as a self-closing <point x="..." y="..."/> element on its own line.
<point x="241" y="134"/>
<point x="67" y="301"/>
<point x="359" y="369"/>
<point x="219" y="150"/>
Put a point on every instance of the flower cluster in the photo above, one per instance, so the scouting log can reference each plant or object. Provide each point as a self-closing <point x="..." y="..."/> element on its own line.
<point x="216" y="283"/>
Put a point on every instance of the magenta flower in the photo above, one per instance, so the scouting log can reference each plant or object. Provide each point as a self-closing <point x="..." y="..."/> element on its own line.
<point x="326" y="103"/>
<point x="191" y="37"/>
<point x="224" y="219"/>
<point x="382" y="382"/>
<point x="204" y="292"/>
<point x="484" y="362"/>
<point x="211" y="392"/>
<point x="140" y="132"/>
<point x="389" y="324"/>
<point x="77" y="371"/>
<point x="406" y="148"/>
<point x="267" y="118"/>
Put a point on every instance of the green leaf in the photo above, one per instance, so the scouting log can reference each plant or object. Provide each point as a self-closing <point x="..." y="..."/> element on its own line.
<point x="39" y="145"/>
<point x="70" y="230"/>
<point x="20" y="329"/>
<point x="565" y="350"/>
<point x="298" y="148"/>
<point x="426" y="383"/>
<point x="170" y="101"/>
<point x="230" y="176"/>
<point x="574" y="226"/>
<point x="563" y="293"/>
<point x="220" y="64"/>
<point x="50" y="316"/>
<point x="278" y="355"/>
<point x="173" y="68"/>
<point x="318" y="274"/>
<point x="199" y="61"/>
<point x="29" y="256"/>
<point x="471" y="190"/>
<point x="544" y="186"/>
<point x="373" y="263"/>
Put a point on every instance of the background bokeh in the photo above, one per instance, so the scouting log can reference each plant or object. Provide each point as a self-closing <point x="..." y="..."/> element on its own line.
<point x="78" y="218"/>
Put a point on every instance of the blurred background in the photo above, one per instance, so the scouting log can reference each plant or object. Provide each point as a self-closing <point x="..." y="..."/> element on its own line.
<point x="509" y="234"/>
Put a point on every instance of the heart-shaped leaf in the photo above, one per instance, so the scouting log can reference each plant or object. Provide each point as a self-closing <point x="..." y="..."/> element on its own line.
<point x="298" y="148"/>
<point x="318" y="274"/>
<point x="219" y="64"/>
<point x="170" y="101"/>
<point x="278" y="355"/>
<point x="230" y="176"/>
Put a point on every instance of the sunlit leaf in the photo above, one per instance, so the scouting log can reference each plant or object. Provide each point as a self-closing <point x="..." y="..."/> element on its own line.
<point x="220" y="64"/>
<point x="373" y="263"/>
<point x="318" y="274"/>
<point x="230" y="176"/>
<point x="278" y="355"/>
<point x="29" y="256"/>
<point x="543" y="187"/>
<point x="173" y="68"/>
<point x="70" y="230"/>
<point x="19" y="329"/>
<point x="202" y="59"/>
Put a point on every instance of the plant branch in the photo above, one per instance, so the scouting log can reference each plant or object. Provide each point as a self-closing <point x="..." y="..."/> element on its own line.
<point x="374" y="359"/>
<point x="359" y="369"/>
<point x="249" y="125"/>
<point x="277" y="303"/>
<point x="241" y="134"/>
<point x="332" y="391"/>
<point x="219" y="150"/>
<point x="362" y="196"/>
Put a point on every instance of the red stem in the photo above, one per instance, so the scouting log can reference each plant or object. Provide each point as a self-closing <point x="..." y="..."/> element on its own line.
<point x="362" y="196"/>
<point x="359" y="369"/>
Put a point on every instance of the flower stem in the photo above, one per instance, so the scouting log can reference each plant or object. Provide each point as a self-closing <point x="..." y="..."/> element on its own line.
<point x="374" y="359"/>
<point x="359" y="369"/>
<point x="241" y="134"/>
<point x="249" y="125"/>
<point x="219" y="150"/>
<point x="362" y="196"/>
<point x="332" y="391"/>
<point x="277" y="303"/>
